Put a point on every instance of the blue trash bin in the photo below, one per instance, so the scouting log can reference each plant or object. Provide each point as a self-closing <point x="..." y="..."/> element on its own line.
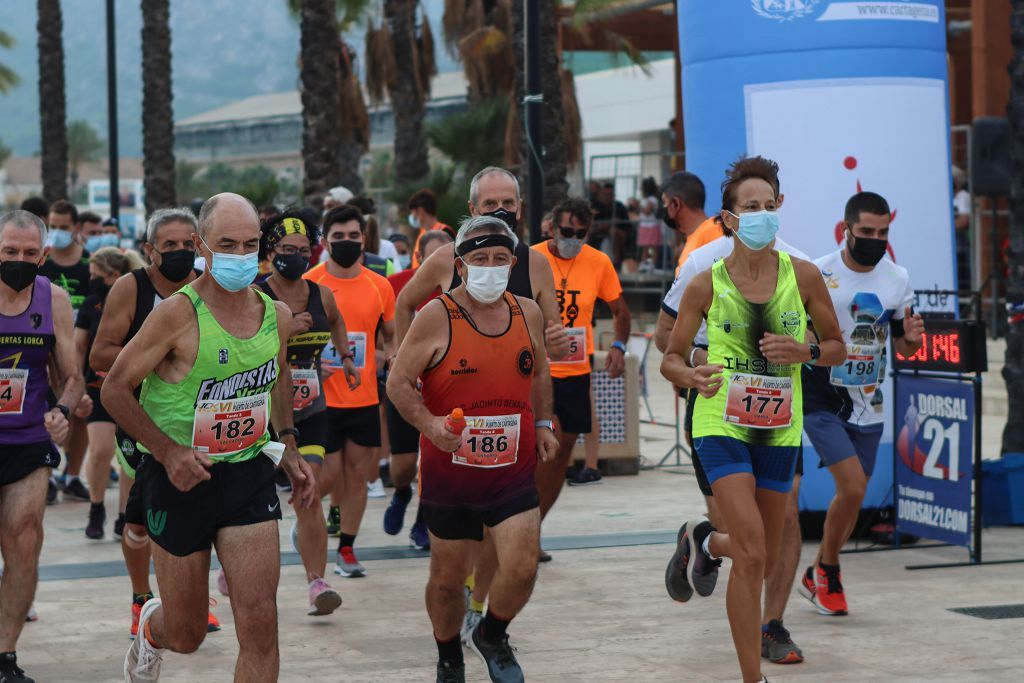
<point x="1003" y="492"/>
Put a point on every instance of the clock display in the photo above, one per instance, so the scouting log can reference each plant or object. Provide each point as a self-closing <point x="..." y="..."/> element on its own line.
<point x="948" y="346"/>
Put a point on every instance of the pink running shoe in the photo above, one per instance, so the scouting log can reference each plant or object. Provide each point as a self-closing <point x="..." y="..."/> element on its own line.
<point x="322" y="598"/>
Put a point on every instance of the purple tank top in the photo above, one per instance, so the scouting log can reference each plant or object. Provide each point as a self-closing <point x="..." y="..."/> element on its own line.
<point x="26" y="341"/>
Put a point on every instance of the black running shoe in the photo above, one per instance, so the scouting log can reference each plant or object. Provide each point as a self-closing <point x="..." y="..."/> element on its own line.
<point x="51" y="491"/>
<point x="75" y="490"/>
<point x="676" y="582"/>
<point x="119" y="527"/>
<point x="97" y="518"/>
<point x="777" y="646"/>
<point x="451" y="673"/>
<point x="501" y="662"/>
<point x="702" y="572"/>
<point x="9" y="671"/>
<point x="585" y="476"/>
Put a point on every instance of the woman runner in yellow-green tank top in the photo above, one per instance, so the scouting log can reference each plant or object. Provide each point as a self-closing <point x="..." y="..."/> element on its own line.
<point x="748" y="416"/>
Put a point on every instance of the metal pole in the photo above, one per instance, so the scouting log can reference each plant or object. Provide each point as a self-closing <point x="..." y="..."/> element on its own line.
<point x="533" y="105"/>
<point x="115" y="195"/>
<point x="995" y="266"/>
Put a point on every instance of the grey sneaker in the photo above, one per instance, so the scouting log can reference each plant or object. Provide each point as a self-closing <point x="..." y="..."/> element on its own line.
<point x="469" y="622"/>
<point x="142" y="663"/>
<point x="347" y="564"/>
<point x="777" y="646"/>
<point x="676" y="582"/>
<point x="702" y="571"/>
<point x="499" y="657"/>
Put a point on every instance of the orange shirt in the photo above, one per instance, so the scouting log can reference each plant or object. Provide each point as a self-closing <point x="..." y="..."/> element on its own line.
<point x="364" y="302"/>
<point x="416" y="248"/>
<point x="579" y="283"/>
<point x="706" y="232"/>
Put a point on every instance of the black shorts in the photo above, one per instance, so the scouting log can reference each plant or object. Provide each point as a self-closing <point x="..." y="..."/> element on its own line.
<point x="128" y="453"/>
<point x="99" y="413"/>
<point x="312" y="440"/>
<point x="236" y="494"/>
<point x="572" y="403"/>
<point x="361" y="426"/>
<point x="403" y="436"/>
<point x="134" y="513"/>
<point x="17" y="462"/>
<point x="462" y="524"/>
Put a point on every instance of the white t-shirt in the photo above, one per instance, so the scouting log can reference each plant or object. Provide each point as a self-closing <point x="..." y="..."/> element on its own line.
<point x="702" y="259"/>
<point x="388" y="251"/>
<point x="962" y="203"/>
<point x="865" y="304"/>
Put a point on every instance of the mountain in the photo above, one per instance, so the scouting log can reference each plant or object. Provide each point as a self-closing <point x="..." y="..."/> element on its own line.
<point x="223" y="50"/>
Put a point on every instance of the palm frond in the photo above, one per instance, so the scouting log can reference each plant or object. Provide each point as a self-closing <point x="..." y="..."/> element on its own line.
<point x="381" y="69"/>
<point x="513" y="138"/>
<point x="624" y="46"/>
<point x="428" y="61"/>
<point x="572" y="124"/>
<point x="8" y="79"/>
<point x="452" y="24"/>
<point x="6" y="40"/>
<point x="488" y="61"/>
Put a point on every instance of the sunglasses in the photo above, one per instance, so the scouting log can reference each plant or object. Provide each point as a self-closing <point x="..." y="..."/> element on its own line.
<point x="568" y="232"/>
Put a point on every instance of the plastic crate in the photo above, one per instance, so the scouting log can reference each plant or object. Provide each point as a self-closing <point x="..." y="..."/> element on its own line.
<point x="1003" y="490"/>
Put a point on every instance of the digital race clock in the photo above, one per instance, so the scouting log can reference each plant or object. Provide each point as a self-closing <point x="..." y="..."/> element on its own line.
<point x="948" y="346"/>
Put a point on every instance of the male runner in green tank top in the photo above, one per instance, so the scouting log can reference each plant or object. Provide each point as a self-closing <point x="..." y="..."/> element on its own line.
<point x="213" y="363"/>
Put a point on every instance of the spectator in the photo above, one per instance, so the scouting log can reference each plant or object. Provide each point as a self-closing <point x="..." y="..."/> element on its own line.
<point x="649" y="235"/>
<point x="37" y="206"/>
<point x="962" y="210"/>
<point x="613" y="232"/>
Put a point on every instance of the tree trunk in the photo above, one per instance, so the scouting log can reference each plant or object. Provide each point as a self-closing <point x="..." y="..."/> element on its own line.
<point x="52" y="105"/>
<point x="349" y="154"/>
<point x="1013" y="370"/>
<point x="157" y="110"/>
<point x="319" y="79"/>
<point x="408" y="103"/>
<point x="353" y="119"/>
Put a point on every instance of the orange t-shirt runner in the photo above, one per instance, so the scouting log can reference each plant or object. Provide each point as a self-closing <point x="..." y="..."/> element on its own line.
<point x="706" y="233"/>
<point x="364" y="303"/>
<point x="423" y="231"/>
<point x="579" y="283"/>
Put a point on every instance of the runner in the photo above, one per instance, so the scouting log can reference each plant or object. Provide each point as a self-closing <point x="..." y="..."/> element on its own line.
<point x="287" y="244"/>
<point x="170" y="249"/>
<point x="843" y="409"/>
<point x="67" y="266"/>
<point x="36" y="326"/>
<point x="403" y="437"/>
<point x="96" y="234"/>
<point x="366" y="302"/>
<point x="583" y="275"/>
<point x="423" y="217"/>
<point x="211" y="358"/>
<point x="776" y="643"/>
<point x="682" y="209"/>
<point x="747" y="419"/>
<point x="477" y="349"/>
<point x="106" y="265"/>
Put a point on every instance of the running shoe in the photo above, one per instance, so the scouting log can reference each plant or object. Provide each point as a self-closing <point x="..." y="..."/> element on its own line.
<point x="97" y="518"/>
<point x="419" y="537"/>
<point x="10" y="672"/>
<point x="322" y="598"/>
<point x="394" y="516"/>
<point x="807" y="586"/>
<point x="499" y="657"/>
<point x="470" y="621"/>
<point x="451" y="673"/>
<point x="334" y="521"/>
<point x="375" y="489"/>
<point x="701" y="571"/>
<point x="212" y="622"/>
<point x="142" y="662"/>
<point x="585" y="476"/>
<point x="777" y="646"/>
<point x="75" y="490"/>
<point x="222" y="582"/>
<point x="137" y="605"/>
<point x="295" y="535"/>
<point x="119" y="527"/>
<point x="543" y="557"/>
<point x="828" y="593"/>
<point x="51" y="491"/>
<point x="347" y="565"/>
<point x="32" y="615"/>
<point x="676" y="582"/>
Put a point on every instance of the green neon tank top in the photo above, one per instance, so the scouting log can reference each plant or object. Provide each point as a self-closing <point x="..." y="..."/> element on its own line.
<point x="222" y="406"/>
<point x="754" y="388"/>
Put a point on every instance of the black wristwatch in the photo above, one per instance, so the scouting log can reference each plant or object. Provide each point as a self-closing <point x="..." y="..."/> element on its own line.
<point x="815" y="352"/>
<point x="286" y="431"/>
<point x="64" y="409"/>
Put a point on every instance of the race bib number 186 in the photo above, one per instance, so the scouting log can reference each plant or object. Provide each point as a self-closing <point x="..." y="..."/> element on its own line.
<point x="489" y="441"/>
<point x="759" y="402"/>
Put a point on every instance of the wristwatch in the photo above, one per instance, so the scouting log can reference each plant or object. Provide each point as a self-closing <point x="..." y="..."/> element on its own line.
<point x="620" y="346"/>
<point x="544" y="424"/>
<point x="815" y="352"/>
<point x="64" y="409"/>
<point x="281" y="433"/>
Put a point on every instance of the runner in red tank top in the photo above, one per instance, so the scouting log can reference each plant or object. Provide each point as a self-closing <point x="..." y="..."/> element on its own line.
<point x="476" y="349"/>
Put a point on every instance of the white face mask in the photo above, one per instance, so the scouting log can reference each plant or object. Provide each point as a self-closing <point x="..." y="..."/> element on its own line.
<point x="486" y="284"/>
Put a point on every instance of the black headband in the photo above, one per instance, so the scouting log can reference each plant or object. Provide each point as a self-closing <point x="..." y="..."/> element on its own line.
<point x="484" y="241"/>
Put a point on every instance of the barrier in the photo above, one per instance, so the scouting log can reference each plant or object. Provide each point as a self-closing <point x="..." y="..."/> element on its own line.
<point x="618" y="413"/>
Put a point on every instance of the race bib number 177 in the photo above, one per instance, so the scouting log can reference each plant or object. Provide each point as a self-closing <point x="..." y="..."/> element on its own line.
<point x="759" y="401"/>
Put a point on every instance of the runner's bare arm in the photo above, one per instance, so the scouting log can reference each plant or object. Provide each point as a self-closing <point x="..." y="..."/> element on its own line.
<point x="540" y="393"/>
<point x="542" y="279"/>
<point x="387" y="331"/>
<point x="663" y="330"/>
<point x="81" y="345"/>
<point x="674" y="366"/>
<point x="913" y="329"/>
<point x="615" y="360"/>
<point x="115" y="321"/>
<point x="67" y="364"/>
<point x="784" y="349"/>
<point x="435" y="272"/>
<point x="339" y="335"/>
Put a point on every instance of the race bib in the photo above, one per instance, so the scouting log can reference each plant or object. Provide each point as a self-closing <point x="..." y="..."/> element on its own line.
<point x="305" y="388"/>
<point x="489" y="441"/>
<point x="12" y="390"/>
<point x="225" y="427"/>
<point x="759" y="402"/>
<point x="861" y="368"/>
<point x="577" y="345"/>
<point x="357" y="347"/>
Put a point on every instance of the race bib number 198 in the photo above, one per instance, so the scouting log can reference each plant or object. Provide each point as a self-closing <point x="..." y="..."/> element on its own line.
<point x="759" y="402"/>
<point x="861" y="368"/>
<point x="489" y="441"/>
<point x="12" y="390"/>
<point x="223" y="428"/>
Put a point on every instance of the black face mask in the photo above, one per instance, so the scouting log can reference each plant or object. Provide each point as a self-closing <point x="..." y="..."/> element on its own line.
<point x="346" y="252"/>
<point x="18" y="274"/>
<point x="504" y="214"/>
<point x="666" y="219"/>
<point x="291" y="266"/>
<point x="866" y="252"/>
<point x="98" y="286"/>
<point x="176" y="265"/>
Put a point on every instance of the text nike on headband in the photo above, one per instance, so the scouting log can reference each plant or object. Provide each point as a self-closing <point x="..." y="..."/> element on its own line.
<point x="484" y="241"/>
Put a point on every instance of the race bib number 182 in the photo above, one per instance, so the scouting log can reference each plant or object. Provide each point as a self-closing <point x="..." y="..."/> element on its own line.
<point x="759" y="402"/>
<point x="223" y="428"/>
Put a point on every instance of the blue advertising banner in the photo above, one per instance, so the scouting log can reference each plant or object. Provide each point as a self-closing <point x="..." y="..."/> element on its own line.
<point x="935" y="425"/>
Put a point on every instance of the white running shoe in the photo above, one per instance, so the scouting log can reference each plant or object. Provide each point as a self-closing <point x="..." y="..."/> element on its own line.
<point x="142" y="663"/>
<point x="375" y="489"/>
<point x="469" y="622"/>
<point x="32" y="614"/>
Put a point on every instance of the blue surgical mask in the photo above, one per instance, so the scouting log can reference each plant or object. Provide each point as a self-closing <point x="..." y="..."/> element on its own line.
<point x="59" y="239"/>
<point x="757" y="228"/>
<point x="111" y="240"/>
<point x="93" y="243"/>
<point x="233" y="272"/>
<point x="405" y="260"/>
<point x="413" y="221"/>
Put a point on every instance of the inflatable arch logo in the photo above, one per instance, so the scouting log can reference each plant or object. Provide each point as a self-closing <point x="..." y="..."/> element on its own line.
<point x="783" y="10"/>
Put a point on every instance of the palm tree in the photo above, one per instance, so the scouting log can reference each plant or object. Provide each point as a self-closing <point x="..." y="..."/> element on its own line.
<point x="52" y="104"/>
<point x="1013" y="370"/>
<point x="157" y="110"/>
<point x="84" y="147"/>
<point x="400" y="59"/>
<point x="319" y="82"/>
<point x="8" y="79"/>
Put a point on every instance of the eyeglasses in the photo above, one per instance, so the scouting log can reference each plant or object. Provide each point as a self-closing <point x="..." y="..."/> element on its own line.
<point x="569" y="232"/>
<point x="289" y="250"/>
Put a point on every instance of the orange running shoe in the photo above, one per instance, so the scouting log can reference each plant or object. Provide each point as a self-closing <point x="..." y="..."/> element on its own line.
<point x="212" y="623"/>
<point x="137" y="605"/>
<point x="828" y="594"/>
